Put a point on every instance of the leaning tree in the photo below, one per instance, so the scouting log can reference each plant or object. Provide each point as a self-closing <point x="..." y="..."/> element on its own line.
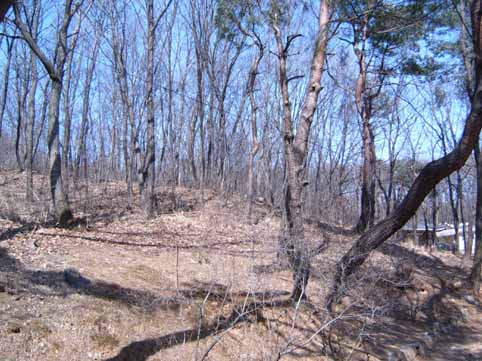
<point x="429" y="176"/>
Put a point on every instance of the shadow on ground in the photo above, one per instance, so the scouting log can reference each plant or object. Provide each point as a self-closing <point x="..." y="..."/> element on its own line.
<point x="432" y="265"/>
<point x="16" y="279"/>
<point x="142" y="350"/>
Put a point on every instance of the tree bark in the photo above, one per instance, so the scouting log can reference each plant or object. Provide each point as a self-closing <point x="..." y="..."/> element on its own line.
<point x="150" y="159"/>
<point x="59" y="198"/>
<point x="364" y="107"/>
<point x="475" y="274"/>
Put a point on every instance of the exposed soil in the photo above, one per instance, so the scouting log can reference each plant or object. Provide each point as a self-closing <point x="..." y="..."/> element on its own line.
<point x="198" y="282"/>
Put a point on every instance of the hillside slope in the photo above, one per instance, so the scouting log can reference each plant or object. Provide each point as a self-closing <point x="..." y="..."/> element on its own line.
<point x="199" y="283"/>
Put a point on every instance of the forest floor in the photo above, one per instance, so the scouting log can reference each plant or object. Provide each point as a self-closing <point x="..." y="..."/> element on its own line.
<point x="198" y="282"/>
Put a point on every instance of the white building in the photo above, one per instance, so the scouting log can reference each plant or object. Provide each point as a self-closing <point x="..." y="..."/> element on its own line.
<point x="449" y="231"/>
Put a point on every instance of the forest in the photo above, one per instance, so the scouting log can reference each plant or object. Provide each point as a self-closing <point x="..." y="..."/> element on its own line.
<point x="240" y="180"/>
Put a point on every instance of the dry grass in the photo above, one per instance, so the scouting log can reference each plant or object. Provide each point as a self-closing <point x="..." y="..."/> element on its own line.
<point x="198" y="277"/>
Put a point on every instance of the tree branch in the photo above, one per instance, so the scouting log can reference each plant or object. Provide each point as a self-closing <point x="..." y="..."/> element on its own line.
<point x="54" y="75"/>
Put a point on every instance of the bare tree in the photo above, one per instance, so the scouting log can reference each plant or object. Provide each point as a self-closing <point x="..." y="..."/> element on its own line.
<point x="22" y="80"/>
<point x="91" y="59"/>
<point x="55" y="71"/>
<point x="148" y="169"/>
<point x="119" y="40"/>
<point x="69" y="89"/>
<point x="219" y="85"/>
<point x="31" y="105"/>
<point x="292" y="238"/>
<point x="240" y="14"/>
<point x="254" y="125"/>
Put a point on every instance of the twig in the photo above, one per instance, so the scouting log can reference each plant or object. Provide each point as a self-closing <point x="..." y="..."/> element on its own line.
<point x="356" y="349"/>
<point x="214" y="343"/>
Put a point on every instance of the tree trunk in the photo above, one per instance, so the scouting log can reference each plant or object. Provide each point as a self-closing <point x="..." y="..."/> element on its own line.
<point x="67" y="110"/>
<point x="367" y="207"/>
<point x="469" y="243"/>
<point x="200" y="115"/>
<point x="460" y="196"/>
<point x="81" y="156"/>
<point x="150" y="159"/>
<point x="30" y="126"/>
<point x="192" y="141"/>
<point x="127" y="158"/>
<point x="292" y="239"/>
<point x="43" y="117"/>
<point x="254" y="128"/>
<point x="475" y="274"/>
<point x="364" y="105"/>
<point x="59" y="198"/>
<point x="18" y="132"/>
<point x="434" y="217"/>
<point x="6" y="78"/>
<point x="222" y="144"/>
<point x="210" y="145"/>
<point x="22" y="84"/>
